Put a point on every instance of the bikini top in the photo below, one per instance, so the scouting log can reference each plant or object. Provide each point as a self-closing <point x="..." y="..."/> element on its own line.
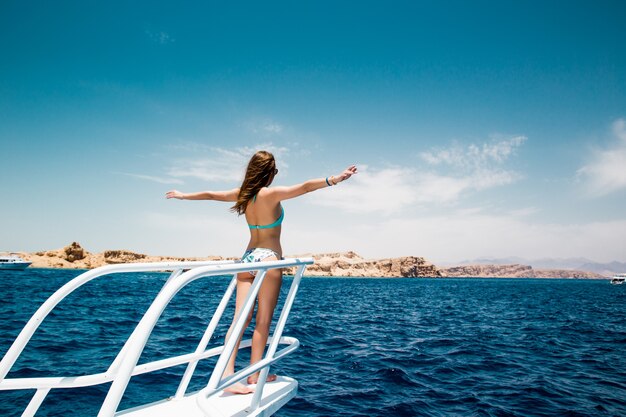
<point x="271" y="225"/>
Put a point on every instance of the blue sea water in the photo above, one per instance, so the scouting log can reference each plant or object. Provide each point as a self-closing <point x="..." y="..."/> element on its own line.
<point x="369" y="347"/>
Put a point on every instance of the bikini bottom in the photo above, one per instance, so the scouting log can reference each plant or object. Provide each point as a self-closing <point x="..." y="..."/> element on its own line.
<point x="257" y="255"/>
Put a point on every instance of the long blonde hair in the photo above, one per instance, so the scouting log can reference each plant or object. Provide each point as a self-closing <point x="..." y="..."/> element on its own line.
<point x="260" y="173"/>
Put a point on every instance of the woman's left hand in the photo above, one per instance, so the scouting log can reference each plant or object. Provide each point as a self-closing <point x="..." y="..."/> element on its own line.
<point x="174" y="194"/>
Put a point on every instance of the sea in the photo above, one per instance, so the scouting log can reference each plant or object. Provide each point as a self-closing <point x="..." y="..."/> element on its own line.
<point x="369" y="346"/>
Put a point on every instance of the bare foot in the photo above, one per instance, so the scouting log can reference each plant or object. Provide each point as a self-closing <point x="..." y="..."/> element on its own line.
<point x="239" y="388"/>
<point x="253" y="379"/>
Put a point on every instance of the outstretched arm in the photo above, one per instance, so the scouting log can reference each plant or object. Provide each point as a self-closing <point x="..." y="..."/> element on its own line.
<point x="285" y="193"/>
<point x="230" y="195"/>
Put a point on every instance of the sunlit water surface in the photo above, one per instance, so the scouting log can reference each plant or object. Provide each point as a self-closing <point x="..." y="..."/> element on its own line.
<point x="369" y="347"/>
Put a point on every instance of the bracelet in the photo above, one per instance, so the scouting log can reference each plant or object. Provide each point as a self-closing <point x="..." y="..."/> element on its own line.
<point x="332" y="177"/>
<point x="327" y="183"/>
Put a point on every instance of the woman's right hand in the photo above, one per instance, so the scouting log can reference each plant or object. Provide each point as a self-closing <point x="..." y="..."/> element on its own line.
<point x="174" y="194"/>
<point x="347" y="173"/>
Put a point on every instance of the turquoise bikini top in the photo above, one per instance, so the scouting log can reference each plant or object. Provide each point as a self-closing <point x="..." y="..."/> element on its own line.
<point x="271" y="225"/>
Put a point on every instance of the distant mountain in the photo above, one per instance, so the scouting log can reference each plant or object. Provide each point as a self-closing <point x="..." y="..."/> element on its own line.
<point x="560" y="263"/>
<point x="489" y="261"/>
<point x="580" y="264"/>
<point x="607" y="269"/>
<point x="545" y="263"/>
<point x="512" y="260"/>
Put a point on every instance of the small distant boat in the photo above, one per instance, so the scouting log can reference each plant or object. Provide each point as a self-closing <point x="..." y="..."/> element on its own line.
<point x="618" y="279"/>
<point x="13" y="261"/>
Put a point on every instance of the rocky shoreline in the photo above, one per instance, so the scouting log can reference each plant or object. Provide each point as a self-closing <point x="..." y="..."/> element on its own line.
<point x="348" y="264"/>
<point x="515" y="271"/>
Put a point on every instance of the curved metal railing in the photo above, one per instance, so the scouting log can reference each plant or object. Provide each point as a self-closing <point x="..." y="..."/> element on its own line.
<point x="124" y="366"/>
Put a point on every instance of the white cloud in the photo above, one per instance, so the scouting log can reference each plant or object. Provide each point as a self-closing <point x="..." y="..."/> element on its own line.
<point x="211" y="163"/>
<point x="387" y="190"/>
<point x="438" y="188"/>
<point x="160" y="37"/>
<point x="435" y="188"/>
<point x="215" y="164"/>
<point x="272" y="127"/>
<point x="227" y="167"/>
<point x="473" y="168"/>
<point x="605" y="172"/>
<point x="457" y="236"/>
<point x="449" y="174"/>
<point x="619" y="129"/>
<point x="195" y="230"/>
<point x="264" y="127"/>
<point x="524" y="211"/>
<point x="474" y="156"/>
<point x="199" y="229"/>
<point x="160" y="180"/>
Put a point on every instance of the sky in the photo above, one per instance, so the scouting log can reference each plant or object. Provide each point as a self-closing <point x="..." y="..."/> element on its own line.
<point x="480" y="129"/>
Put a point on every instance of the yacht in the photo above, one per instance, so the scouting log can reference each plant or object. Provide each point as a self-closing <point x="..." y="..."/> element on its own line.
<point x="13" y="261"/>
<point x="618" y="279"/>
<point x="211" y="399"/>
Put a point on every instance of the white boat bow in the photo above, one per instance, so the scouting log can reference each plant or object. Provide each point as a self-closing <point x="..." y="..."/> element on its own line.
<point x="210" y="401"/>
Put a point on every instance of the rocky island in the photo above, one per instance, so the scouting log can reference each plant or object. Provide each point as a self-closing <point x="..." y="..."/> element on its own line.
<point x="514" y="271"/>
<point x="348" y="264"/>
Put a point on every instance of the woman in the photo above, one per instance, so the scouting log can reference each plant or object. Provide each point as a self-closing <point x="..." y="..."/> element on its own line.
<point x="264" y="214"/>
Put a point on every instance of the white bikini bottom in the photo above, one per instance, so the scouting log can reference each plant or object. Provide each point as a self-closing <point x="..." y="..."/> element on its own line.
<point x="257" y="255"/>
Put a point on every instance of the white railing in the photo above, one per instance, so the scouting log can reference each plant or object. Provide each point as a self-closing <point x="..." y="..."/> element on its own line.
<point x="124" y="366"/>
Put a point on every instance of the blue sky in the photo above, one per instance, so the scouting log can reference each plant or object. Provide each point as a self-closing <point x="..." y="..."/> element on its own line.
<point x="482" y="129"/>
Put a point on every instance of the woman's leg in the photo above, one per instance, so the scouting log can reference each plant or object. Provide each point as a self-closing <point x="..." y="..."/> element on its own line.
<point x="267" y="299"/>
<point x="244" y="282"/>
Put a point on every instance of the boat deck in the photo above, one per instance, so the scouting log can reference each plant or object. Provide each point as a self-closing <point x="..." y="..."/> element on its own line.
<point x="275" y="395"/>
